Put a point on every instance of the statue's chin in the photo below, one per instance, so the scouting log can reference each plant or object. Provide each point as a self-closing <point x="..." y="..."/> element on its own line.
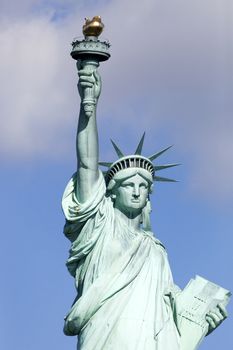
<point x="131" y="211"/>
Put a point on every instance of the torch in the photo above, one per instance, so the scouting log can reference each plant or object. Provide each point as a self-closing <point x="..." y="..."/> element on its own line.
<point x="89" y="52"/>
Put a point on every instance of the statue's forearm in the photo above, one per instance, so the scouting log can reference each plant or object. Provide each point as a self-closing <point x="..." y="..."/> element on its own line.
<point x="87" y="141"/>
<point x="87" y="147"/>
<point x="87" y="153"/>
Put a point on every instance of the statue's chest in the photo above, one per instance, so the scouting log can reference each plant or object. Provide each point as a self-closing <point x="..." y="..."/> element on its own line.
<point x="126" y="244"/>
<point x="116" y="246"/>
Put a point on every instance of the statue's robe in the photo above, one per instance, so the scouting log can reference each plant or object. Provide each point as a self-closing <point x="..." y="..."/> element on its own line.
<point x="126" y="295"/>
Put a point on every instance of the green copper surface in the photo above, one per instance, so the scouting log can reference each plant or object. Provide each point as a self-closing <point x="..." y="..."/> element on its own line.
<point x="126" y="297"/>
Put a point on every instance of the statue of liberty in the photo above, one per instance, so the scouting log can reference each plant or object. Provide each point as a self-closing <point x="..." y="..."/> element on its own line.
<point x="126" y="297"/>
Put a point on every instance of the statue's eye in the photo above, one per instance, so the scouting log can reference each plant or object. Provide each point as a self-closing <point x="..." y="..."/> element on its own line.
<point x="144" y="186"/>
<point x="127" y="185"/>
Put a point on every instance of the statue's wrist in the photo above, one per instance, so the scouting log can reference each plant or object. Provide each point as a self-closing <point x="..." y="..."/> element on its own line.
<point x="88" y="107"/>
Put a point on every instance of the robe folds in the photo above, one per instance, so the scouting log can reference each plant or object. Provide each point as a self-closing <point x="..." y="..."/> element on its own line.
<point x="126" y="295"/>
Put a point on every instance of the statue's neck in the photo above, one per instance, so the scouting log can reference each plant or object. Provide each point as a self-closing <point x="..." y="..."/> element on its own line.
<point x="132" y="221"/>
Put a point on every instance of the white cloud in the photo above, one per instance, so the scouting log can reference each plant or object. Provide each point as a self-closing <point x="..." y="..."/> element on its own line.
<point x="171" y="62"/>
<point x="34" y="93"/>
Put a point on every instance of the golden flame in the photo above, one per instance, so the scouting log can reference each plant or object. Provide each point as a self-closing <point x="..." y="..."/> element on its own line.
<point x="93" y="27"/>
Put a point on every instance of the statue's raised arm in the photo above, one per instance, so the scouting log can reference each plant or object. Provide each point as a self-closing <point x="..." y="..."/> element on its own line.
<point x="87" y="135"/>
<point x="88" y="53"/>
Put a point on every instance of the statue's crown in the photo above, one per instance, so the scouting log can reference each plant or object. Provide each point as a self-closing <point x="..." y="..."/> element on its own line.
<point x="136" y="161"/>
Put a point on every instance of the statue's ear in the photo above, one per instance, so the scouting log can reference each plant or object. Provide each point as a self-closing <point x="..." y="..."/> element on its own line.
<point x="110" y="192"/>
<point x="111" y="185"/>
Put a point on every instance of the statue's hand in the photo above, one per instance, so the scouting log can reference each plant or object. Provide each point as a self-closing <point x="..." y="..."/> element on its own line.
<point x="89" y="78"/>
<point x="215" y="317"/>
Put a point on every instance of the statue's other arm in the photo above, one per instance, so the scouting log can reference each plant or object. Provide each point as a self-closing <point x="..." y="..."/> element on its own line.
<point x="87" y="136"/>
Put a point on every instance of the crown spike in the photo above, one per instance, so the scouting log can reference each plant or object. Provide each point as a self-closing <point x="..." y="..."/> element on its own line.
<point x="156" y="155"/>
<point x="140" y="145"/>
<point x="165" y="166"/>
<point x="117" y="149"/>
<point x="106" y="164"/>
<point x="163" y="179"/>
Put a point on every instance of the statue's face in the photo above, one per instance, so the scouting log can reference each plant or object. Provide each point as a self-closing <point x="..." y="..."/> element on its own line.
<point x="132" y="194"/>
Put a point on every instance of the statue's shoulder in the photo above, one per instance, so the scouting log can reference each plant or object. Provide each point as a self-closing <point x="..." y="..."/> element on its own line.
<point x="155" y="240"/>
<point x="159" y="243"/>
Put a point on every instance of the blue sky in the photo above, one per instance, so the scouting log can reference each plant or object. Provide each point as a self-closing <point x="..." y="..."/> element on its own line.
<point x="170" y="75"/>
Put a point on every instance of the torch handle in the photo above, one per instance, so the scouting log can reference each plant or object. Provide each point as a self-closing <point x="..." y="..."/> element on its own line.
<point x="89" y="93"/>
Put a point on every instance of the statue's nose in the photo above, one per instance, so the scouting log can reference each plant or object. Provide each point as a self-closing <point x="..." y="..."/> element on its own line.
<point x="136" y="192"/>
